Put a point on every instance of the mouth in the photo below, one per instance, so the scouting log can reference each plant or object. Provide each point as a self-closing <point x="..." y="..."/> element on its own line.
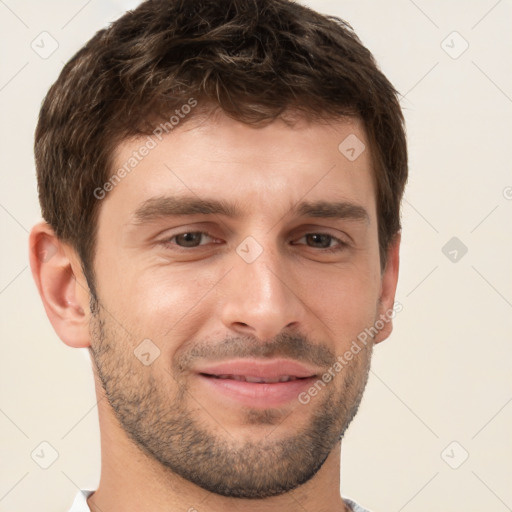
<point x="256" y="380"/>
<point x="257" y="383"/>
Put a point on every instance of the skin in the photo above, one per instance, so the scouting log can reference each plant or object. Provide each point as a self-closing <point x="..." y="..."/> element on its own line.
<point x="294" y="294"/>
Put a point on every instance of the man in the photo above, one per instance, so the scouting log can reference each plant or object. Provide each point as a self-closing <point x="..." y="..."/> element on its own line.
<point x="221" y="186"/>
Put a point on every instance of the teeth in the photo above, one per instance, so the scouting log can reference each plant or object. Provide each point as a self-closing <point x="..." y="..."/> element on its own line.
<point x="254" y="379"/>
<point x="248" y="378"/>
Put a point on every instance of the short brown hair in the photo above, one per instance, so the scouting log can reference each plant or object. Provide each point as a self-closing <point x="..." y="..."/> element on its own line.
<point x="254" y="59"/>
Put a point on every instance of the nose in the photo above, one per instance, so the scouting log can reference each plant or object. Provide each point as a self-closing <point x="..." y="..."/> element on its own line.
<point x="261" y="298"/>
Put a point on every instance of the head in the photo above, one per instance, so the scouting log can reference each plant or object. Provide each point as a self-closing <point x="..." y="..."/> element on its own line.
<point x="221" y="187"/>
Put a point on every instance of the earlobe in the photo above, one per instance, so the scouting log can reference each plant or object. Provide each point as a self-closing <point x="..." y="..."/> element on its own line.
<point x="60" y="283"/>
<point x="388" y="289"/>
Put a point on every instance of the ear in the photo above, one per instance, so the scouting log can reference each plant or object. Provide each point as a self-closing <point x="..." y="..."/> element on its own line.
<point x="387" y="307"/>
<point x="61" y="284"/>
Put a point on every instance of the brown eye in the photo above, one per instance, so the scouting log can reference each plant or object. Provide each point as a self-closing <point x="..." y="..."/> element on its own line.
<point x="188" y="240"/>
<point x="322" y="241"/>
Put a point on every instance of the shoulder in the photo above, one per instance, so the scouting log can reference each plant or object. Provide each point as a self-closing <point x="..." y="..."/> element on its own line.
<point x="354" y="506"/>
<point x="80" y="502"/>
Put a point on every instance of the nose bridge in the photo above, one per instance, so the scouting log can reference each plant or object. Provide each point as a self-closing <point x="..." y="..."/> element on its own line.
<point x="260" y="298"/>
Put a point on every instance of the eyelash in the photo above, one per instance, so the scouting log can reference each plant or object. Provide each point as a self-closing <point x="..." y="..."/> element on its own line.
<point x="167" y="242"/>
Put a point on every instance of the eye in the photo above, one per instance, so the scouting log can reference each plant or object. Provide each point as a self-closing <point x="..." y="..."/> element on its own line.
<point x="193" y="239"/>
<point x="189" y="239"/>
<point x="323" y="241"/>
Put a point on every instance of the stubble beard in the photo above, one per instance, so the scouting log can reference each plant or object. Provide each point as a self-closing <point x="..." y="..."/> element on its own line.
<point x="159" y="417"/>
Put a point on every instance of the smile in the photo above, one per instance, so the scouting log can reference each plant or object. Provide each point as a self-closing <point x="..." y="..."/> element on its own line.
<point x="260" y="380"/>
<point x="255" y="382"/>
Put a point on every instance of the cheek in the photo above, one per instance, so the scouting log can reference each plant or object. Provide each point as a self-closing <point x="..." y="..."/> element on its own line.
<point x="345" y="299"/>
<point x="160" y="303"/>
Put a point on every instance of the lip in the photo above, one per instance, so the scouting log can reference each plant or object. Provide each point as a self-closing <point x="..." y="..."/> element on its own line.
<point x="257" y="394"/>
<point x="260" y="368"/>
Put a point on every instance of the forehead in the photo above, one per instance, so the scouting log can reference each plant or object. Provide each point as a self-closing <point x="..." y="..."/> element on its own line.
<point x="261" y="169"/>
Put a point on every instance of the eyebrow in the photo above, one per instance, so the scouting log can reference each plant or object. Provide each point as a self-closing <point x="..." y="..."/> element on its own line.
<point x="160" y="207"/>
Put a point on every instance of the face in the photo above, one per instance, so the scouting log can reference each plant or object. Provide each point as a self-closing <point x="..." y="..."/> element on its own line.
<point x="234" y="268"/>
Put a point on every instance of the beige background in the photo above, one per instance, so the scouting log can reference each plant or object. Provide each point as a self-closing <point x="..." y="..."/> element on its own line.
<point x="445" y="373"/>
